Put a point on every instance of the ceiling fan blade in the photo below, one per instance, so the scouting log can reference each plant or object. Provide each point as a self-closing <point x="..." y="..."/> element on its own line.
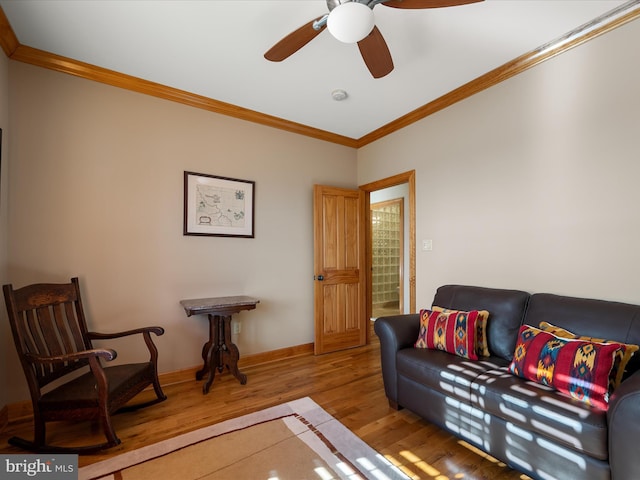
<point x="375" y="54"/>
<point x="415" y="4"/>
<point x="293" y="42"/>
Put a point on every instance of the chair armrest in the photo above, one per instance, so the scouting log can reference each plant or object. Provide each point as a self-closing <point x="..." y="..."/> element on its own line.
<point x="106" y="353"/>
<point x="623" y="418"/>
<point x="93" y="356"/>
<point x="146" y="334"/>
<point x="105" y="336"/>
<point x="395" y="333"/>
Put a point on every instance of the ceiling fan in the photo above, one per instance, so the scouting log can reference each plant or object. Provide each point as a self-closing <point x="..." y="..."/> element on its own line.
<point x="351" y="21"/>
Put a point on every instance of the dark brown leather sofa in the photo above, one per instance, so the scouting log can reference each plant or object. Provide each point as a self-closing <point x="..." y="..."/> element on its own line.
<point x="530" y="427"/>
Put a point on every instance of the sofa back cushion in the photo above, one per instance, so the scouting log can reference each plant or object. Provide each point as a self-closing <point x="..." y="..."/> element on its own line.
<point x="506" y="310"/>
<point x="614" y="321"/>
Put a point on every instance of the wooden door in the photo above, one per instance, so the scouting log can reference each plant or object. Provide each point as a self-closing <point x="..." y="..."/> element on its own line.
<point x="339" y="269"/>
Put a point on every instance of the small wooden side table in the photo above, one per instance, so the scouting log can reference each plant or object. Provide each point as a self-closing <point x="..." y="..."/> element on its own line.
<point x="219" y="351"/>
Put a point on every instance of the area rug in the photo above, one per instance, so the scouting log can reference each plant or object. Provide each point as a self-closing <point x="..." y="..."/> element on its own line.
<point x="293" y="441"/>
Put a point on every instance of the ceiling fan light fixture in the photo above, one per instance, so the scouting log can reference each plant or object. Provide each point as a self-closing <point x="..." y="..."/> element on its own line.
<point x="350" y="22"/>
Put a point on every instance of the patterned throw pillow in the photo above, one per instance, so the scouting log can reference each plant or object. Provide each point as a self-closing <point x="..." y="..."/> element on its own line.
<point x="482" y="344"/>
<point x="452" y="332"/>
<point x="577" y="368"/>
<point x="622" y="357"/>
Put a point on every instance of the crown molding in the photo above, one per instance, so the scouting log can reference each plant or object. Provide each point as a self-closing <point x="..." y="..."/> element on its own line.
<point x="14" y="50"/>
<point x="8" y="39"/>
<point x="87" y="71"/>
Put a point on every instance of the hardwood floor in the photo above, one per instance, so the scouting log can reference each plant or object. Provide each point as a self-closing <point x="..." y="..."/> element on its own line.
<point x="346" y="384"/>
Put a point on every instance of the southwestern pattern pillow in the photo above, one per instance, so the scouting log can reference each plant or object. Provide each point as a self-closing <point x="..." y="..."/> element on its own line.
<point x="452" y="332"/>
<point x="482" y="344"/>
<point x="577" y="368"/>
<point x="622" y="356"/>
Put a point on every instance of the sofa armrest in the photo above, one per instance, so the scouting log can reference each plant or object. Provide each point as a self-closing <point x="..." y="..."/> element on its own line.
<point x="623" y="419"/>
<point x="395" y="333"/>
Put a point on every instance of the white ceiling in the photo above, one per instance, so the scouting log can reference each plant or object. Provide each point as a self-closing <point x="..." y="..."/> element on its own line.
<point x="215" y="48"/>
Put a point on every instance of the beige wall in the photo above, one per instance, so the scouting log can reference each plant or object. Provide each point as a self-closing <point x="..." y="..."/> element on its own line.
<point x="97" y="191"/>
<point x="532" y="184"/>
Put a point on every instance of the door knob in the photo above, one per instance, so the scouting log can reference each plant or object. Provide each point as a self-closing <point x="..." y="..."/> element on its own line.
<point x="320" y="277"/>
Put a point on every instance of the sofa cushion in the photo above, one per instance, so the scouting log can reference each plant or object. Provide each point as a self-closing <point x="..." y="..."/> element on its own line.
<point x="577" y="368"/>
<point x="441" y="371"/>
<point x="619" y="322"/>
<point x="451" y="331"/>
<point x="541" y="411"/>
<point x="506" y="308"/>
<point x="620" y="362"/>
<point x="482" y="347"/>
<point x="622" y="356"/>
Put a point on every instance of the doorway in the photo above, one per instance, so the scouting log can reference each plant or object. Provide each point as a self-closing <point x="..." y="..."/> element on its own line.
<point x="387" y="253"/>
<point x="407" y="181"/>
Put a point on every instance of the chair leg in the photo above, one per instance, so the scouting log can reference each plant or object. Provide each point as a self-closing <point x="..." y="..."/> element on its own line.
<point x="158" y="389"/>
<point x="39" y="436"/>
<point x="109" y="432"/>
<point x="40" y="430"/>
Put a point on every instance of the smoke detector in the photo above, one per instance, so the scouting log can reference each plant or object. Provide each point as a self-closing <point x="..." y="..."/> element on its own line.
<point x="339" y="95"/>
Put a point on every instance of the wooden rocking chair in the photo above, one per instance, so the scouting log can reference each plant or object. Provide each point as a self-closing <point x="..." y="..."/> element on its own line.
<point x="51" y="337"/>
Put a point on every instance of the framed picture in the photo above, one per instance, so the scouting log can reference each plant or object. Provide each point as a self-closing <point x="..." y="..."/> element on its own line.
<point x="218" y="206"/>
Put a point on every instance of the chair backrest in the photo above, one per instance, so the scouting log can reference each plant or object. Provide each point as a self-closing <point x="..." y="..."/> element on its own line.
<point x="47" y="320"/>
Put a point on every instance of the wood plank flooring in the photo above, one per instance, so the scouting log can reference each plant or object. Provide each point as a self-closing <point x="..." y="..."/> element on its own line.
<point x="346" y="384"/>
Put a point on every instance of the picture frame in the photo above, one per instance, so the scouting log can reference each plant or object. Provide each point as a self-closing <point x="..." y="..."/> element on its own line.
<point x="218" y="206"/>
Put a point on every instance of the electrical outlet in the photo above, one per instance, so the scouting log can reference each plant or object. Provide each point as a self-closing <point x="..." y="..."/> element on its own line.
<point x="427" y="245"/>
<point x="236" y="327"/>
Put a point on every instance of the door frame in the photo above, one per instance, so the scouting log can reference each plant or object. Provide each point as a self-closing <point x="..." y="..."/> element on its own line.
<point x="409" y="178"/>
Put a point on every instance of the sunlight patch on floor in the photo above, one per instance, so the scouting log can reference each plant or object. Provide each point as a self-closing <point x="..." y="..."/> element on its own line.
<point x="323" y="473"/>
<point x="372" y="469"/>
<point x="480" y="453"/>
<point x="488" y="457"/>
<point x="422" y="465"/>
<point x="412" y="460"/>
<point x="416" y="468"/>
<point x="400" y="466"/>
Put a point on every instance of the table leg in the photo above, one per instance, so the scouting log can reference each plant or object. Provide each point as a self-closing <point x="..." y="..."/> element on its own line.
<point x="206" y="350"/>
<point x="213" y="355"/>
<point x="221" y="323"/>
<point x="219" y="352"/>
<point x="231" y="354"/>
